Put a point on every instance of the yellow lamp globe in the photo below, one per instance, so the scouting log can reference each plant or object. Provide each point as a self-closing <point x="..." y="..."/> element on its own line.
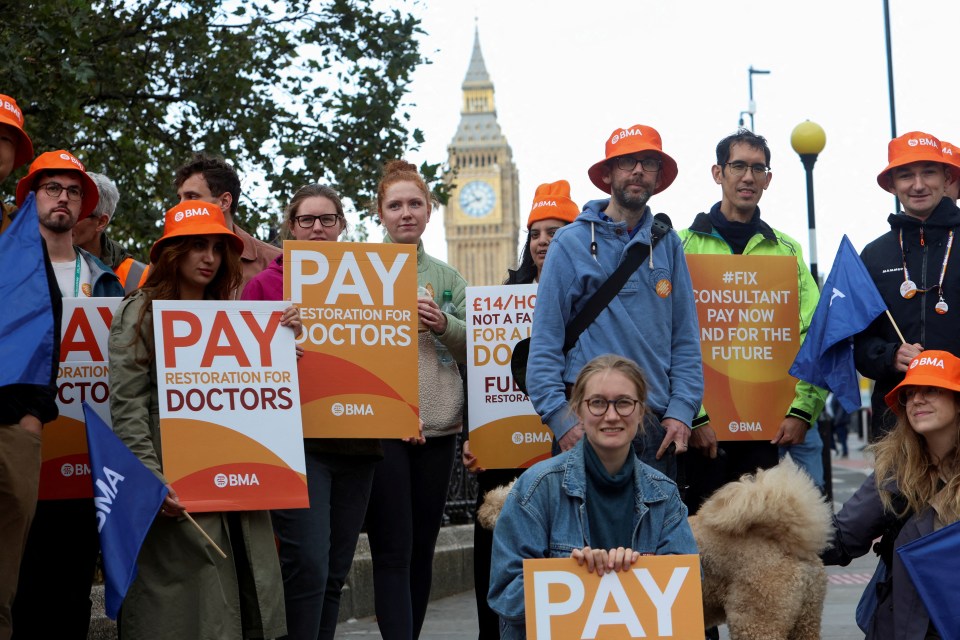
<point x="808" y="138"/>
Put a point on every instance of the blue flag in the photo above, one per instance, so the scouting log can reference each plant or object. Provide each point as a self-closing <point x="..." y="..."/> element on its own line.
<point x="127" y="496"/>
<point x="848" y="304"/>
<point x="933" y="563"/>
<point x="26" y="314"/>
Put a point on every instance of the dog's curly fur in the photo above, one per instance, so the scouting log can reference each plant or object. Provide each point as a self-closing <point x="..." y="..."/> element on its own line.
<point x="759" y="541"/>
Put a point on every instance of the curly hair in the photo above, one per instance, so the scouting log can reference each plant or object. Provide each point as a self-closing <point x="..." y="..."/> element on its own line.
<point x="905" y="465"/>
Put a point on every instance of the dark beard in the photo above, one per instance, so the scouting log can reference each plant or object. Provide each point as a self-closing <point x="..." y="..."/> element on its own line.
<point x="629" y="202"/>
<point x="57" y="227"/>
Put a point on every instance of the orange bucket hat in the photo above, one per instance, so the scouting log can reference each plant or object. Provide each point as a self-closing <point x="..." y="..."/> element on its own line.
<point x="915" y="146"/>
<point x="59" y="162"/>
<point x="632" y="140"/>
<point x="929" y="369"/>
<point x="194" y="218"/>
<point x="552" y="202"/>
<point x="11" y="116"/>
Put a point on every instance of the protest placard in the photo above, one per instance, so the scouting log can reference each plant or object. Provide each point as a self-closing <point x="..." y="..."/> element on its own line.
<point x="749" y="335"/>
<point x="230" y="426"/>
<point x="358" y="303"/>
<point x="83" y="377"/>
<point x="505" y="430"/>
<point x="658" y="597"/>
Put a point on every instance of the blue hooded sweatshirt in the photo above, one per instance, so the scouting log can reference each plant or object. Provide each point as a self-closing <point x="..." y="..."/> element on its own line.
<point x="653" y="320"/>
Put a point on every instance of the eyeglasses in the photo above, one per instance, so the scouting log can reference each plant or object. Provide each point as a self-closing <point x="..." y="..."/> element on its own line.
<point x="598" y="406"/>
<point x="54" y="189"/>
<point x="535" y="233"/>
<point x="326" y="220"/>
<point x="910" y="394"/>
<point x="737" y="169"/>
<point x="627" y="163"/>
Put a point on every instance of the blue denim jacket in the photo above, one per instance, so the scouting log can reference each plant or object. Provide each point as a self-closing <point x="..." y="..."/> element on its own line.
<point x="545" y="516"/>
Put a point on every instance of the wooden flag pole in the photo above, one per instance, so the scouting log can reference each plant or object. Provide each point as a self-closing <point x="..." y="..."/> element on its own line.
<point x="204" y="533"/>
<point x="895" y="327"/>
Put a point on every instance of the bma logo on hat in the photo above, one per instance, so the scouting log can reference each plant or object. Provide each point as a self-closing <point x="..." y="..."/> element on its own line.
<point x="947" y="151"/>
<point x="544" y="203"/>
<point x="928" y="362"/>
<point x="12" y="108"/>
<point x="922" y="142"/>
<point x="190" y="213"/>
<point x="70" y="158"/>
<point x="626" y="133"/>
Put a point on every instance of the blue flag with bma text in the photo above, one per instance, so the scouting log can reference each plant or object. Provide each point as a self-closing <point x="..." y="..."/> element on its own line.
<point x="848" y="304"/>
<point x="127" y="497"/>
<point x="26" y="313"/>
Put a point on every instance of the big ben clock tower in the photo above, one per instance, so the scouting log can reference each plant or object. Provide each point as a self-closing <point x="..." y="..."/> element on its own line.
<point x="482" y="218"/>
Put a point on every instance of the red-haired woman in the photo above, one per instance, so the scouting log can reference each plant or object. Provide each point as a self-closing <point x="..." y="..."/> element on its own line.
<point x="410" y="483"/>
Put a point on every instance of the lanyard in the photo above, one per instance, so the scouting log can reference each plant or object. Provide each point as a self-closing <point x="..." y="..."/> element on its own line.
<point x="909" y="288"/>
<point x="76" y="278"/>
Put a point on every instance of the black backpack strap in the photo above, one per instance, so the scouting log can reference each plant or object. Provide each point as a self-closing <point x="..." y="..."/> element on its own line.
<point x="635" y="256"/>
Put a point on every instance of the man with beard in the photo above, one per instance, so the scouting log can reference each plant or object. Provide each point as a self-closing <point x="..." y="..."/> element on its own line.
<point x="61" y="553"/>
<point x="652" y="319"/>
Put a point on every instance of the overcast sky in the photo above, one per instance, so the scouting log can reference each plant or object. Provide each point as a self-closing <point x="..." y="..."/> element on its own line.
<point x="567" y="73"/>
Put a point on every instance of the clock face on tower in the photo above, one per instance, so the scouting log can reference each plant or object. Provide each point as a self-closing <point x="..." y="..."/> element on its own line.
<point x="477" y="198"/>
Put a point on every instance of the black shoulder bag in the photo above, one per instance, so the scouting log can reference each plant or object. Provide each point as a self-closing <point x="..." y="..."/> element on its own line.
<point x="636" y="254"/>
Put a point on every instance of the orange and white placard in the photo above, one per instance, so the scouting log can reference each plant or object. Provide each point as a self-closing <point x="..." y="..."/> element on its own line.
<point x="505" y="430"/>
<point x="749" y="335"/>
<point x="358" y="303"/>
<point x="659" y="597"/>
<point x="83" y="377"/>
<point x="229" y="398"/>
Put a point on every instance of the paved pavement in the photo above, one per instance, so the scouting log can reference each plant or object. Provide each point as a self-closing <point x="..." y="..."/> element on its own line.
<point x="455" y="617"/>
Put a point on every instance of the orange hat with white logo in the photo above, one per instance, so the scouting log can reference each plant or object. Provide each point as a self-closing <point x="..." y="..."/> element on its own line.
<point x="60" y="162"/>
<point x="915" y="146"/>
<point x="951" y="155"/>
<point x="929" y="369"/>
<point x="633" y="140"/>
<point x="194" y="218"/>
<point x="552" y="202"/>
<point x="11" y="116"/>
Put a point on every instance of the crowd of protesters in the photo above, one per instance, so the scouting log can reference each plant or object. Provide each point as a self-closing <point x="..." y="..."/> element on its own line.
<point x="622" y="395"/>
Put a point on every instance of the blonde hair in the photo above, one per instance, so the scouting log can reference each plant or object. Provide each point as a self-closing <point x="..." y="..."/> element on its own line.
<point x="602" y="364"/>
<point x="903" y="460"/>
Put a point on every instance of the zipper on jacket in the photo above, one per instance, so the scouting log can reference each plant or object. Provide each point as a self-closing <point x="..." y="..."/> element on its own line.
<point x="923" y="303"/>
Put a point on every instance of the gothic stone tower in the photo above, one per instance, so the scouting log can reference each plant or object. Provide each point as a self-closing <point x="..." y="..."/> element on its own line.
<point x="482" y="218"/>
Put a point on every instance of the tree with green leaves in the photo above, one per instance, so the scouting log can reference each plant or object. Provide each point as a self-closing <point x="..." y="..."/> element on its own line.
<point x="289" y="91"/>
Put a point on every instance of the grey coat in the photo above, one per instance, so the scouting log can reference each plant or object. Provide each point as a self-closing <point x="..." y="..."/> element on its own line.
<point x="183" y="588"/>
<point x="902" y="615"/>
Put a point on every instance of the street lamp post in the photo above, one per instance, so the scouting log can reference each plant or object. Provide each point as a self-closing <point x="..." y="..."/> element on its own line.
<point x="808" y="140"/>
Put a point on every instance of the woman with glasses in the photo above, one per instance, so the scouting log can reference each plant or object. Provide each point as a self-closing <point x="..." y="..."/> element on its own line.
<point x="552" y="209"/>
<point x="317" y="544"/>
<point x="599" y="486"/>
<point x="914" y="490"/>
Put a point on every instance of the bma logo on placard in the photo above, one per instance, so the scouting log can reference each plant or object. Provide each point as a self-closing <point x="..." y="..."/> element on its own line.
<point x="520" y="437"/>
<point x="223" y="480"/>
<point x="350" y="409"/>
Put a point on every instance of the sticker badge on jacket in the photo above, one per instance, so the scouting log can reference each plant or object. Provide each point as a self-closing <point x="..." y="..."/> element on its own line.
<point x="660" y="278"/>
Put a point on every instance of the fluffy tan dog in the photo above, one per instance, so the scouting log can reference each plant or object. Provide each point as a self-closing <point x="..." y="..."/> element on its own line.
<point x="759" y="540"/>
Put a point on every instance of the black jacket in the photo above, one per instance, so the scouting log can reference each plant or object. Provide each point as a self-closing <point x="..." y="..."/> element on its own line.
<point x="876" y="347"/>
